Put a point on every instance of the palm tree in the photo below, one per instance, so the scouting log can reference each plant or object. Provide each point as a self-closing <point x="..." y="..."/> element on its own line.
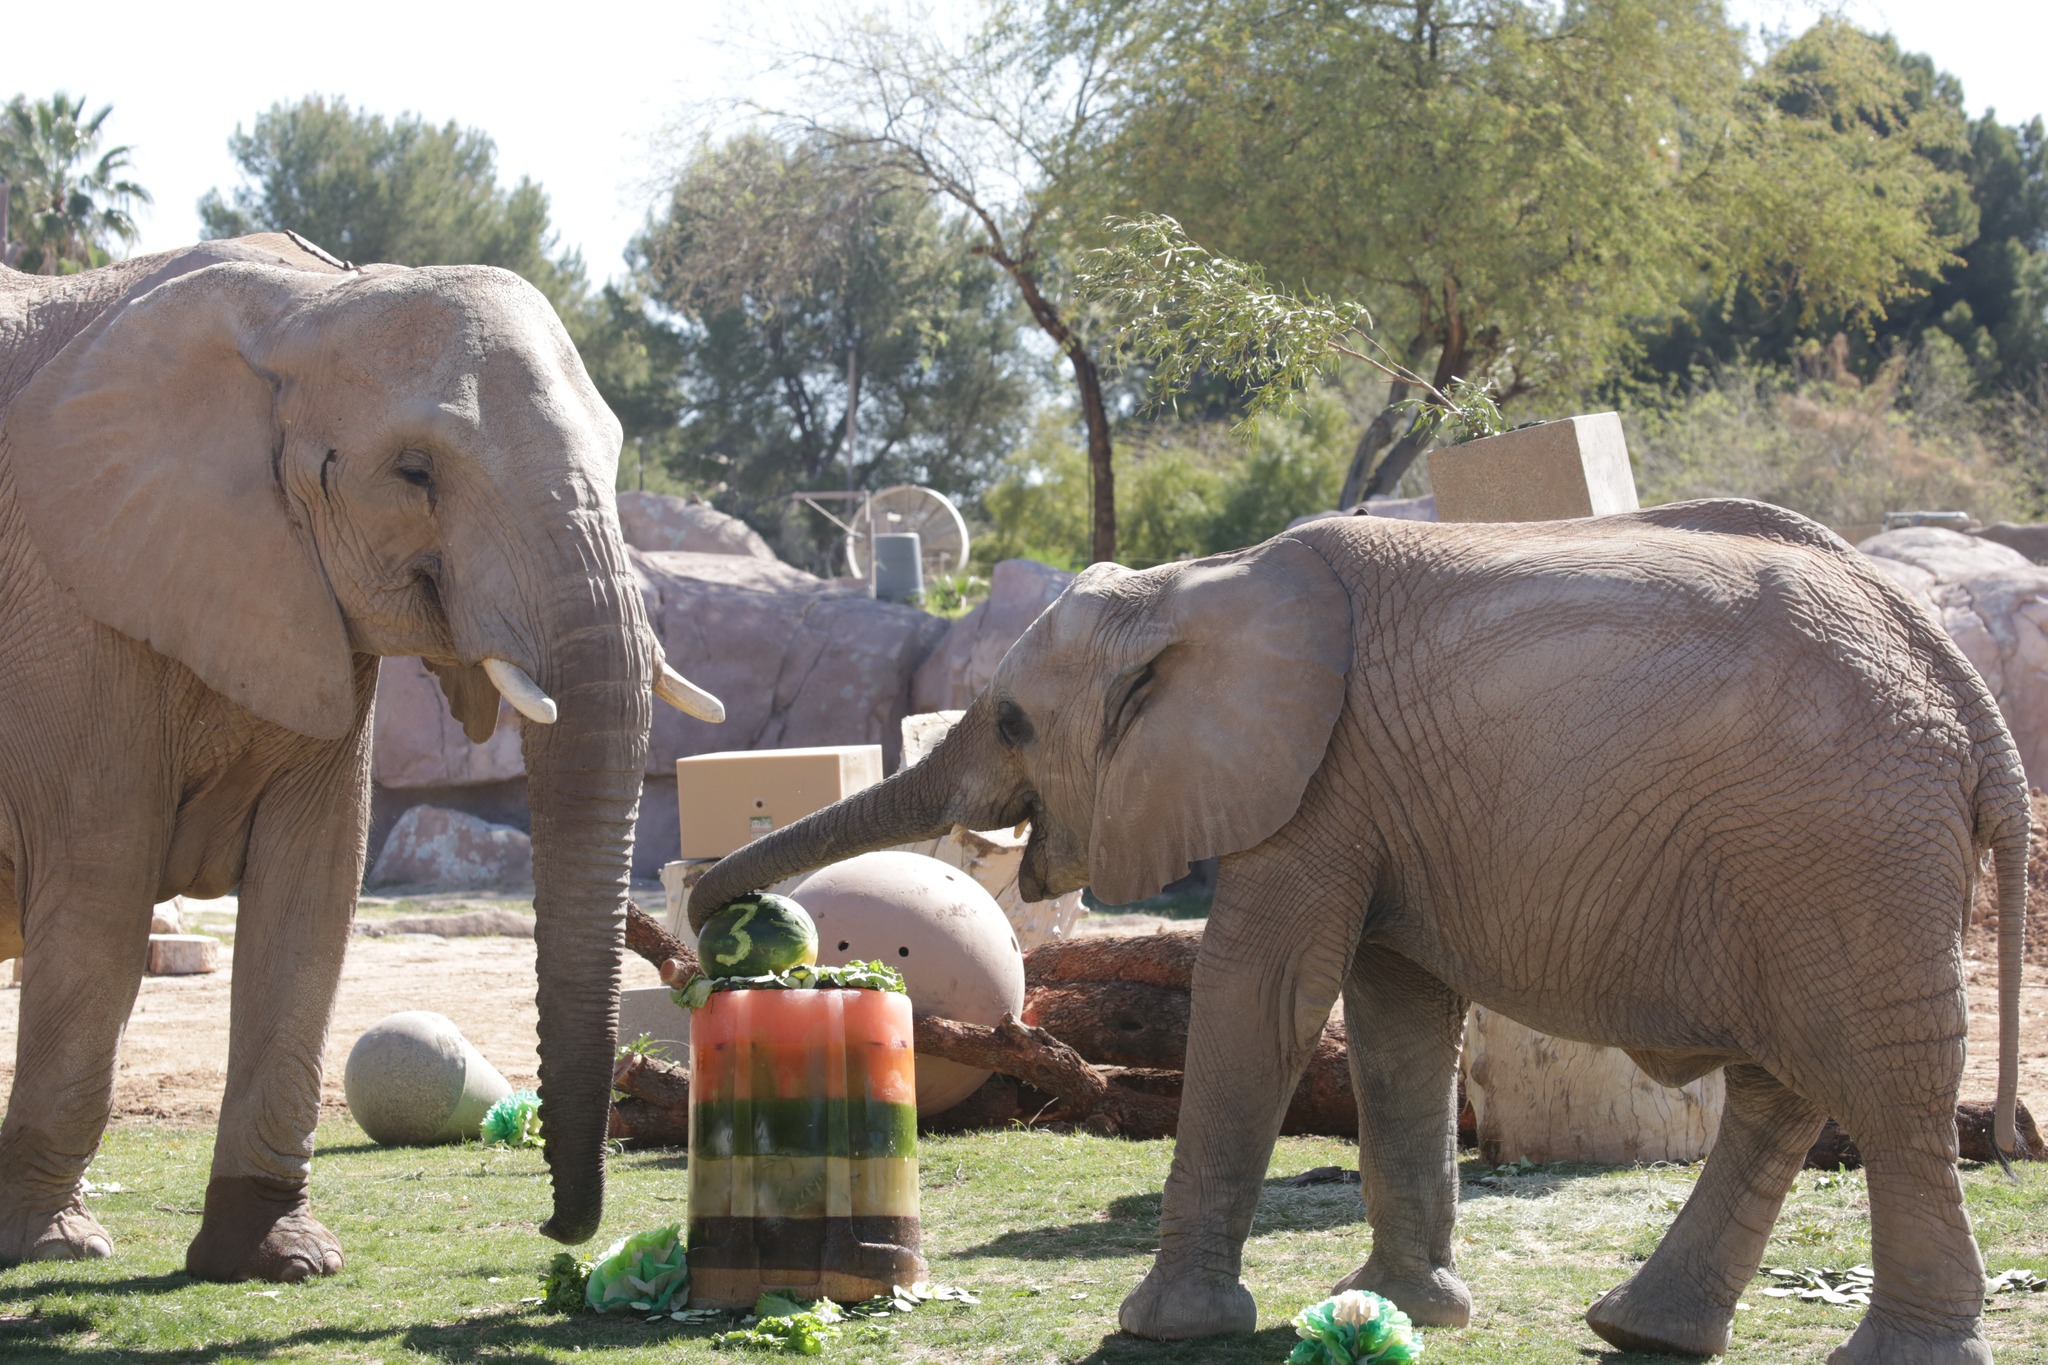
<point x="67" y="209"/>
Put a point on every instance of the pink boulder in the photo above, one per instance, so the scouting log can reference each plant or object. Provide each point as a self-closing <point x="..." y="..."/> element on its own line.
<point x="434" y="848"/>
<point x="662" y="521"/>
<point x="1018" y="590"/>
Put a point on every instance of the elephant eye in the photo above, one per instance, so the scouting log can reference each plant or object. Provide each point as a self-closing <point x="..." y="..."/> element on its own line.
<point x="1013" y="728"/>
<point x="414" y="469"/>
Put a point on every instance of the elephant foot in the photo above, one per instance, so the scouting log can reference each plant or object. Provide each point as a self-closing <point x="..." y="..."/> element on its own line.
<point x="1637" y="1316"/>
<point x="259" y="1229"/>
<point x="65" y="1234"/>
<point x="1434" y="1298"/>
<point x="1175" y="1305"/>
<point x="1879" y="1341"/>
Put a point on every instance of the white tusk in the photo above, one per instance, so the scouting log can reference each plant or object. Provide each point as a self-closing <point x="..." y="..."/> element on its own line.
<point x="688" y="698"/>
<point x="522" y="691"/>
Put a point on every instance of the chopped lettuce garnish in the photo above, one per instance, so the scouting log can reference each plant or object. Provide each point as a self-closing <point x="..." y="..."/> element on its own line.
<point x="854" y="976"/>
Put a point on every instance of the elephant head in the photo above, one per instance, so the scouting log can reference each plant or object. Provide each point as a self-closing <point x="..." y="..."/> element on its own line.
<point x="264" y="472"/>
<point x="1147" y="719"/>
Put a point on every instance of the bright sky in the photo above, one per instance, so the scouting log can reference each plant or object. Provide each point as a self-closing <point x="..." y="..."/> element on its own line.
<point x="576" y="95"/>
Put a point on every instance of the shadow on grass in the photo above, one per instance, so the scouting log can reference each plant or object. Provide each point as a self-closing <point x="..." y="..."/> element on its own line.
<point x="1263" y="1347"/>
<point x="1130" y="1225"/>
<point x="134" y="1284"/>
<point x="1478" y="1180"/>
<point x="502" y="1338"/>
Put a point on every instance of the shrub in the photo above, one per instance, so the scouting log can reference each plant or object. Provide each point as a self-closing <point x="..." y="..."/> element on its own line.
<point x="1821" y="443"/>
<point x="1184" y="489"/>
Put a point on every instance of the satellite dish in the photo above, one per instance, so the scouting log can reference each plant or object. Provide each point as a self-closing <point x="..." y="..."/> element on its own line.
<point x="941" y="531"/>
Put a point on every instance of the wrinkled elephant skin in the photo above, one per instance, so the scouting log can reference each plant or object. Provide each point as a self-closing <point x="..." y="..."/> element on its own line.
<point x="231" y="478"/>
<point x="1695" y="782"/>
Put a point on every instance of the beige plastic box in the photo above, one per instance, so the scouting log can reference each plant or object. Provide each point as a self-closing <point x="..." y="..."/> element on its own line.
<point x="1554" y="471"/>
<point x="725" y="800"/>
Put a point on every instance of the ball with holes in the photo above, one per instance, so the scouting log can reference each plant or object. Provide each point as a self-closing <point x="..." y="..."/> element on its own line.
<point x="936" y="925"/>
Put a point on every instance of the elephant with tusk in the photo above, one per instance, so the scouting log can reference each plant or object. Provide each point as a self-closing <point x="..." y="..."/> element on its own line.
<point x="1693" y="782"/>
<point x="231" y="477"/>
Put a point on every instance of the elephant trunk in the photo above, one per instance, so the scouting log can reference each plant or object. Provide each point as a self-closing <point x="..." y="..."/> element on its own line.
<point x="959" y="783"/>
<point x="583" y="780"/>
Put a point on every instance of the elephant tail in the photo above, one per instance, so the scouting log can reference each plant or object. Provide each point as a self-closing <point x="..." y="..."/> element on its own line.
<point x="2010" y="825"/>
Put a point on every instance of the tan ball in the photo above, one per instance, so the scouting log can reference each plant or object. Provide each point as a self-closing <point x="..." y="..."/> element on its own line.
<point x="937" y="926"/>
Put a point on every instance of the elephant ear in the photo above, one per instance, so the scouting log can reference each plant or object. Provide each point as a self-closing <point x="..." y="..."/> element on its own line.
<point x="1213" y="730"/>
<point x="147" y="460"/>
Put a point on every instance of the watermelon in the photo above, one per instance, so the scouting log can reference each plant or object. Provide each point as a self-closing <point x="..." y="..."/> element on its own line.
<point x="757" y="936"/>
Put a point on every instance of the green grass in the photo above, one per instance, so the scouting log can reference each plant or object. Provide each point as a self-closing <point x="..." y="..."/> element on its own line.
<point x="1050" y="1230"/>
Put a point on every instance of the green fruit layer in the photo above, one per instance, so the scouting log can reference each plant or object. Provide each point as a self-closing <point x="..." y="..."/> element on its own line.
<point x="849" y="1128"/>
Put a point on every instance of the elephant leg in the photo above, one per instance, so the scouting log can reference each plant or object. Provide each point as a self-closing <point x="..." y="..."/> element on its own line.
<point x="87" y="937"/>
<point x="298" y="897"/>
<point x="1682" y="1301"/>
<point x="1405" y="1027"/>
<point x="1927" y="1291"/>
<point x="1272" y="961"/>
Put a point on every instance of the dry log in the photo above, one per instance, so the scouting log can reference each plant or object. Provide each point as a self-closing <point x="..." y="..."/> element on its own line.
<point x="669" y="954"/>
<point x="1114" y="1023"/>
<point x="652" y="1079"/>
<point x="639" y="1124"/>
<point x="997" y="1104"/>
<point x="1324" y="1104"/>
<point x="1045" y="1063"/>
<point x="1166" y="960"/>
<point x="656" y="1110"/>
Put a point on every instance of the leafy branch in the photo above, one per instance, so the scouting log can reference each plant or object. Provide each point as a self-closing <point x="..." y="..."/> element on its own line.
<point x="1188" y="311"/>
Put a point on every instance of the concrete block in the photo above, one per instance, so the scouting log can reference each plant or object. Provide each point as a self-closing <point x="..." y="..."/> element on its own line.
<point x="726" y="800"/>
<point x="183" y="954"/>
<point x="1554" y="471"/>
<point x="652" y="1011"/>
<point x="413" y="1080"/>
<point x="168" y="917"/>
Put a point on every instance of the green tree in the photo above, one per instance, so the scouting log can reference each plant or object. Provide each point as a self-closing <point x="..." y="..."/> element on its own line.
<point x="995" y="116"/>
<point x="1510" y="187"/>
<point x="68" y="203"/>
<point x="405" y="191"/>
<point x="1990" y="298"/>
<point x="792" y="268"/>
<point x="402" y="190"/>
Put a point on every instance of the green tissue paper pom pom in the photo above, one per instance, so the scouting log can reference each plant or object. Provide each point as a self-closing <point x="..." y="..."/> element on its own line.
<point x="514" y="1120"/>
<point x="646" y="1272"/>
<point x="1354" y="1328"/>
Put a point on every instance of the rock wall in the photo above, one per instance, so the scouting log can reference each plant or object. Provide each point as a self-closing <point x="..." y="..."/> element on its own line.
<point x="1018" y="590"/>
<point x="1993" y="602"/>
<point x="661" y="521"/>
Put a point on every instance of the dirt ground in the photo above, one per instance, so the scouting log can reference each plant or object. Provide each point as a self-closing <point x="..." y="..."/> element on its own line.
<point x="174" y="1055"/>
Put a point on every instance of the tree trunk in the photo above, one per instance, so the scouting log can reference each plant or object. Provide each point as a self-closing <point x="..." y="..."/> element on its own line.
<point x="1387" y="477"/>
<point x="1087" y="379"/>
<point x="1115" y="1023"/>
<point x="1101" y="472"/>
<point x="1451" y="363"/>
<point x="1166" y="959"/>
<point x="1377" y="433"/>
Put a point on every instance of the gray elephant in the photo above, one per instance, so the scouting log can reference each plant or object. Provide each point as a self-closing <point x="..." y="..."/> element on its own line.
<point x="230" y="478"/>
<point x="1690" y="782"/>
